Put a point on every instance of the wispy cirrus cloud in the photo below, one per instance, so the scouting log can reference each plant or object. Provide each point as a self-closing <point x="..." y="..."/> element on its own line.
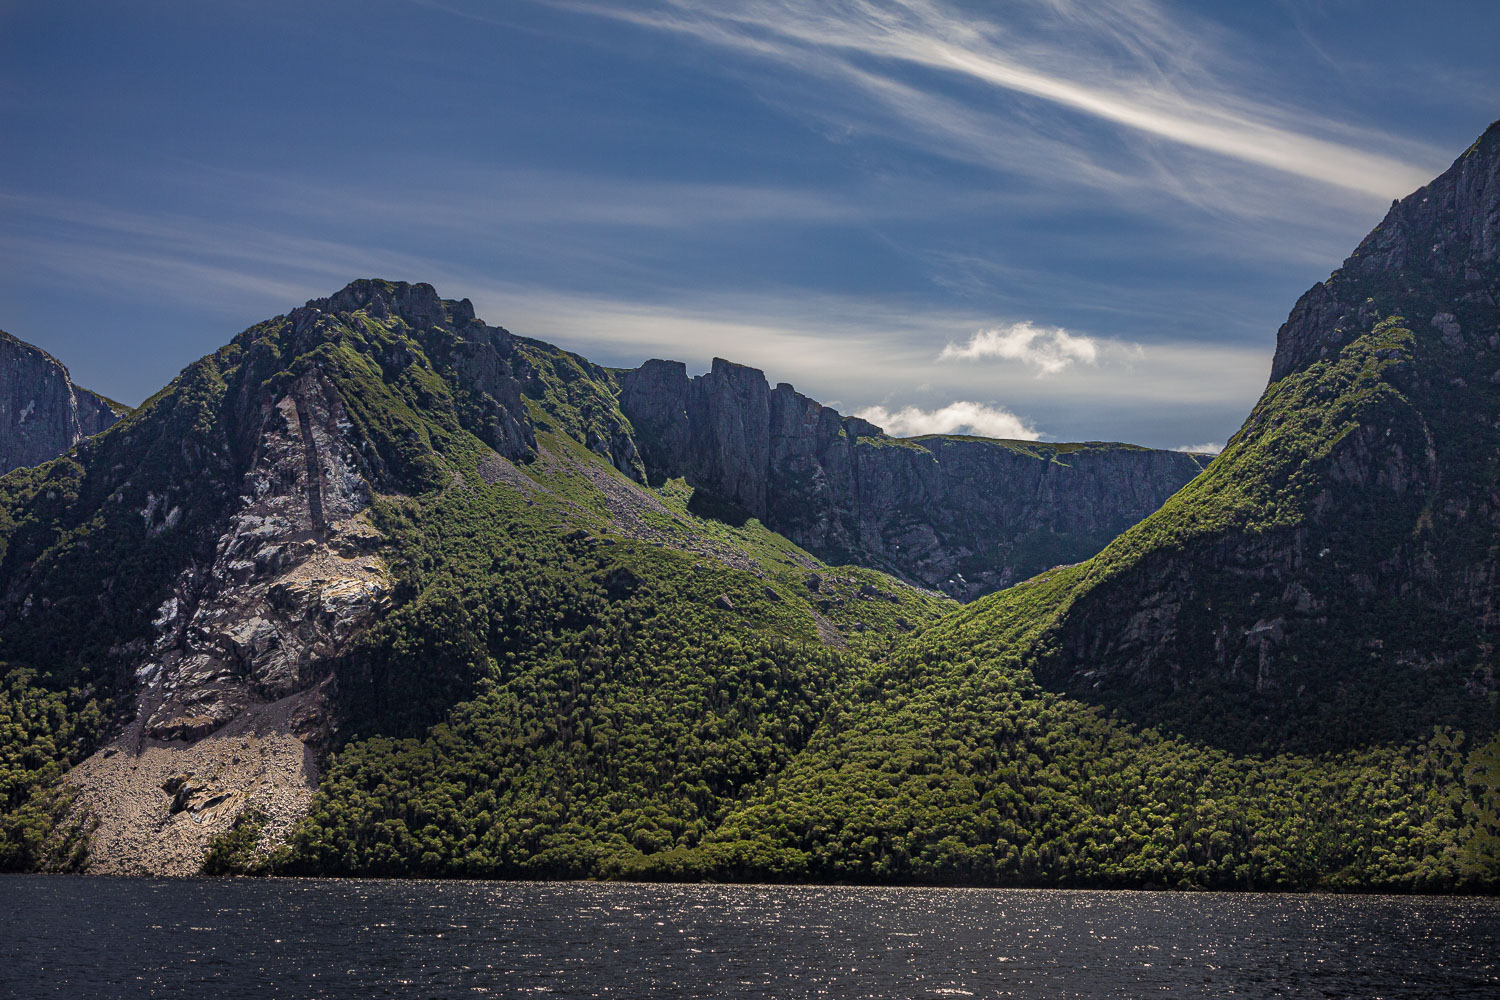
<point x="1132" y="65"/>
<point x="961" y="416"/>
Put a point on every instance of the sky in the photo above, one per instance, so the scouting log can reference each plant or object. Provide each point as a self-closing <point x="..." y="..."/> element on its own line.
<point x="1054" y="219"/>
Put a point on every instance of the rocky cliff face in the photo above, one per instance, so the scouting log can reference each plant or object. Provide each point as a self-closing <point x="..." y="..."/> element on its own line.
<point x="42" y="413"/>
<point x="963" y="515"/>
<point x="1342" y="550"/>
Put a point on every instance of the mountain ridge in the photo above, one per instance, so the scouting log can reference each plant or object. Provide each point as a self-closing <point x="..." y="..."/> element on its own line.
<point x="962" y="514"/>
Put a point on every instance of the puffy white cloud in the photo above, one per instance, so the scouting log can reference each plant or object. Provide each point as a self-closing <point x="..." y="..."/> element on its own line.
<point x="959" y="417"/>
<point x="1047" y="349"/>
<point x="1207" y="448"/>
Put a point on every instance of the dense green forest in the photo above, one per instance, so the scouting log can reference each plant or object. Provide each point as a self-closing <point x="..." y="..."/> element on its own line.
<point x="615" y="697"/>
<point x="42" y="733"/>
<point x="637" y="740"/>
<point x="617" y="730"/>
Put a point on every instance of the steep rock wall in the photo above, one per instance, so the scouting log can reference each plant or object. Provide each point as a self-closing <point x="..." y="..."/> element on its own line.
<point x="42" y="413"/>
<point x="961" y="515"/>
<point x="1341" y="553"/>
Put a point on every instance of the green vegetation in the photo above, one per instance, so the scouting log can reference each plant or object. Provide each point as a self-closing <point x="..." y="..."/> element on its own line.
<point x="957" y="767"/>
<point x="42" y="733"/>
<point x="1047" y="450"/>
<point x="637" y="740"/>
<point x="233" y="851"/>
<point x="938" y="757"/>
<point x="580" y="676"/>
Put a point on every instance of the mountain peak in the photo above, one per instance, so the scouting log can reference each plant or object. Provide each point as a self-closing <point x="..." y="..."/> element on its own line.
<point x="1451" y="221"/>
<point x="1433" y="255"/>
<point x="43" y="412"/>
<point x="417" y="303"/>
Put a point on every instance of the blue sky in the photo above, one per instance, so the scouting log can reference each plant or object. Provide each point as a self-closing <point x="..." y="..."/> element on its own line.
<point x="1036" y="218"/>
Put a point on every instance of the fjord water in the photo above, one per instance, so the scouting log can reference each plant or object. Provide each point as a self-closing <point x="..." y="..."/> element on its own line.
<point x="104" y="937"/>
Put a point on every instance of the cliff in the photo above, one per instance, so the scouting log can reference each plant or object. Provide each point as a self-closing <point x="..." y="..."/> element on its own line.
<point x="963" y="515"/>
<point x="42" y="413"/>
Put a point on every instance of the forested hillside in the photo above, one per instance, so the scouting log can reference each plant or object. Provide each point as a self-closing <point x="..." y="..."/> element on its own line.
<point x="1282" y="679"/>
<point x="378" y="589"/>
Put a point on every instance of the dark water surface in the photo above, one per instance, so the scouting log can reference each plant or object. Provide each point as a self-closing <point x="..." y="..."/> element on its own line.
<point x="104" y="937"/>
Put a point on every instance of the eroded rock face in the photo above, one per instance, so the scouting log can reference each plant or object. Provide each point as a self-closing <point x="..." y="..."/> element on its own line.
<point x="1442" y="239"/>
<point x="961" y="515"/>
<point x="42" y="413"/>
<point x="293" y="578"/>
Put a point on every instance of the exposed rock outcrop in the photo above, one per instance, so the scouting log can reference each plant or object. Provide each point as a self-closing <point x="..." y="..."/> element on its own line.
<point x="963" y="515"/>
<point x="42" y="413"/>
<point x="294" y="576"/>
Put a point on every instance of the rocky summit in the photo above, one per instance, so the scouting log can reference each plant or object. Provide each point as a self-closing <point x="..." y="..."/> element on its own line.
<point x="42" y="413"/>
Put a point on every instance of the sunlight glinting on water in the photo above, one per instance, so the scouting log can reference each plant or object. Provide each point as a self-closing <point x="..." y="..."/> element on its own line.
<point x="313" y="938"/>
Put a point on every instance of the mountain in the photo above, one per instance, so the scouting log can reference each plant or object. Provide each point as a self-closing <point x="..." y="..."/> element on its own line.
<point x="1283" y="678"/>
<point x="1335" y="569"/>
<point x="963" y="515"/>
<point x="42" y="412"/>
<point x="285" y="549"/>
<point x="379" y="589"/>
<point x="325" y="524"/>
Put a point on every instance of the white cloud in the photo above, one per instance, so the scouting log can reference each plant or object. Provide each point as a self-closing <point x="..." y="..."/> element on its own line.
<point x="1207" y="448"/>
<point x="960" y="417"/>
<point x="1047" y="349"/>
